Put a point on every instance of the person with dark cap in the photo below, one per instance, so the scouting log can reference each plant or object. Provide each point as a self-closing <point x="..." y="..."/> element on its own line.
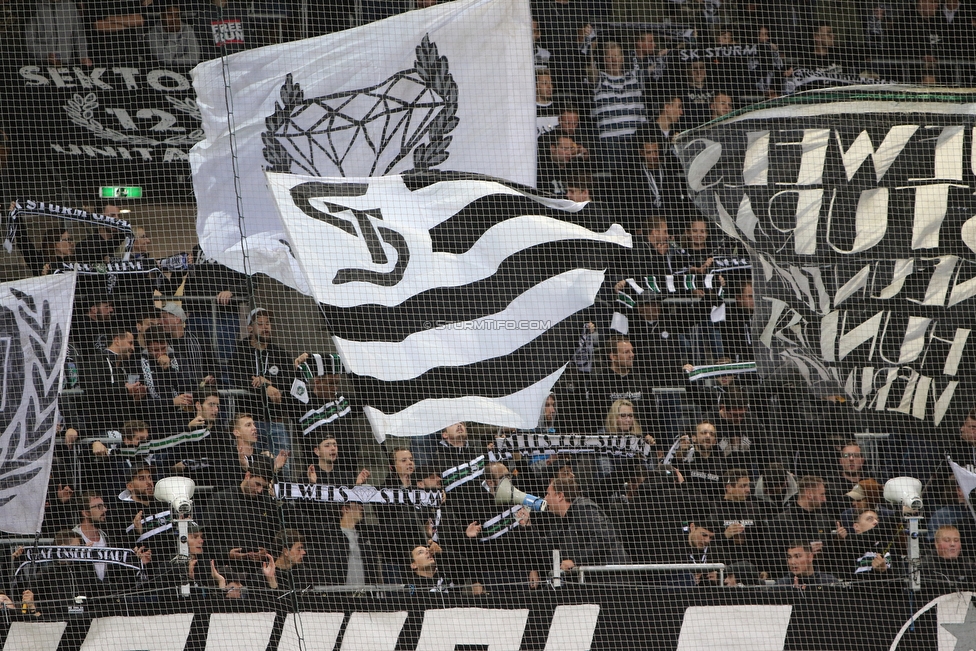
<point x="263" y="370"/>
<point x="200" y="368"/>
<point x="91" y="321"/>
<point x="113" y="386"/>
<point x="228" y="288"/>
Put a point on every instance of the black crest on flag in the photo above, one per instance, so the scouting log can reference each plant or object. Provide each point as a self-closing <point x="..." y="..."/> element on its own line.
<point x="410" y="113"/>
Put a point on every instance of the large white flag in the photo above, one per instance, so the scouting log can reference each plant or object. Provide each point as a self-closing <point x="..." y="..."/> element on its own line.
<point x="35" y="315"/>
<point x="451" y="86"/>
<point x="452" y="296"/>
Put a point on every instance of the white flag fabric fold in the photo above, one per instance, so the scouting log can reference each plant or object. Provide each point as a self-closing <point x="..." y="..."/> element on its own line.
<point x="452" y="86"/>
<point x="450" y="296"/>
<point x="519" y="410"/>
<point x="35" y="315"/>
<point x="966" y="481"/>
<point x="468" y="342"/>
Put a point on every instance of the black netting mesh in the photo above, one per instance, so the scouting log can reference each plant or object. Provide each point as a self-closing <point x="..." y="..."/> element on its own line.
<point x="319" y="331"/>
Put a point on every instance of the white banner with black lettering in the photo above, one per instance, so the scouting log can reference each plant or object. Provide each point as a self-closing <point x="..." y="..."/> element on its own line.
<point x="131" y="121"/>
<point x="411" y="92"/>
<point x="126" y="558"/>
<point x="35" y="315"/>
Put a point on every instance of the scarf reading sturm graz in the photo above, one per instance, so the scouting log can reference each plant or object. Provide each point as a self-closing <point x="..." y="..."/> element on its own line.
<point x="536" y="444"/>
<point x="364" y="494"/>
<point x="78" y="554"/>
<point x="41" y="208"/>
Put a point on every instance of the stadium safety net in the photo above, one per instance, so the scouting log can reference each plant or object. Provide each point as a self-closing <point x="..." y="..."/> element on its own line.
<point x="487" y="324"/>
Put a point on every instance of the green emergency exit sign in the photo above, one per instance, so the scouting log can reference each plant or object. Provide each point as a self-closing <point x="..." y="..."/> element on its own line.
<point x="121" y="192"/>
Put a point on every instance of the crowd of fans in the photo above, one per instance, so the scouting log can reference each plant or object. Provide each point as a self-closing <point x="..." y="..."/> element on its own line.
<point x="610" y="96"/>
<point x="711" y="479"/>
<point x="794" y="502"/>
<point x="702" y="48"/>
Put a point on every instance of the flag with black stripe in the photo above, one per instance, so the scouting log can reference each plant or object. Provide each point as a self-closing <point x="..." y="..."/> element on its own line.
<point x="451" y="296"/>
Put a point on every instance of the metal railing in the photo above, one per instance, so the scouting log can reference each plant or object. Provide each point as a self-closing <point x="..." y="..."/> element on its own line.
<point x="582" y="570"/>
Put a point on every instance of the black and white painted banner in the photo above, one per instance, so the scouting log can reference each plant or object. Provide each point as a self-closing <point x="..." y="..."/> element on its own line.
<point x="571" y="618"/>
<point x="362" y="494"/>
<point x="452" y="296"/>
<point x="410" y="92"/>
<point x="857" y="208"/>
<point x="35" y="315"/>
<point x="79" y="554"/>
<point x="137" y="121"/>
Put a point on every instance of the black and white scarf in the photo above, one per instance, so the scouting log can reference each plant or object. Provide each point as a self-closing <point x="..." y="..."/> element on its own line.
<point x="531" y="444"/>
<point x="364" y="494"/>
<point x="80" y="554"/>
<point x="44" y="209"/>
